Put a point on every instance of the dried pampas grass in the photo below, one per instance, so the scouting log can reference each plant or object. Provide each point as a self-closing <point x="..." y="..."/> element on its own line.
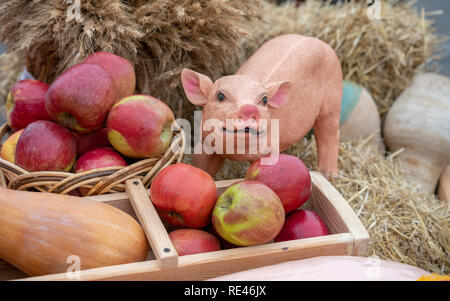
<point x="380" y="54"/>
<point x="404" y="224"/>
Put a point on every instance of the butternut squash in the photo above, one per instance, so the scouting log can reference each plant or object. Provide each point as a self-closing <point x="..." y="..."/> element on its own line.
<point x="40" y="231"/>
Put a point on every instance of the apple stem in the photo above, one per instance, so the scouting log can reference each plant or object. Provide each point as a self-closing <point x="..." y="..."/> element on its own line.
<point x="226" y="201"/>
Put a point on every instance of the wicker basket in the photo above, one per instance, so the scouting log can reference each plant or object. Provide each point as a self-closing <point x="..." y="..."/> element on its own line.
<point x="95" y="182"/>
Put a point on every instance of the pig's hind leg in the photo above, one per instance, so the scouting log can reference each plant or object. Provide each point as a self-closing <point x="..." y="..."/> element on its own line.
<point x="326" y="131"/>
<point x="328" y="90"/>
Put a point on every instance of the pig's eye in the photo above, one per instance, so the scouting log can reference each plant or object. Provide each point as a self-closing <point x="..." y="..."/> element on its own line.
<point x="220" y="96"/>
<point x="264" y="100"/>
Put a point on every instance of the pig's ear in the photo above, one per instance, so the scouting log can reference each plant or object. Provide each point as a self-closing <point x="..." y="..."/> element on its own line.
<point x="196" y="86"/>
<point x="277" y="93"/>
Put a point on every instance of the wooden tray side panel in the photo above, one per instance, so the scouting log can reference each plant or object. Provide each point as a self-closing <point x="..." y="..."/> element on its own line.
<point x="118" y="200"/>
<point x="153" y="227"/>
<point x="337" y="213"/>
<point x="325" y="208"/>
<point x="214" y="264"/>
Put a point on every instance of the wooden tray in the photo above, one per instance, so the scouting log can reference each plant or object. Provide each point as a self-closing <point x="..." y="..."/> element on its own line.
<point x="349" y="237"/>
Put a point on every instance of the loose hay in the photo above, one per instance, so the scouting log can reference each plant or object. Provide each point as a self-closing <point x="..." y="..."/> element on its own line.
<point x="405" y="225"/>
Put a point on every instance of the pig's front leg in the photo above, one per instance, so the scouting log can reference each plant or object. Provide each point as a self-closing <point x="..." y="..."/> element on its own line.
<point x="209" y="163"/>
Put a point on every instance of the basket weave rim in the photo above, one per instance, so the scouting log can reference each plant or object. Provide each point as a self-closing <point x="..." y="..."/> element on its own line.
<point x="97" y="181"/>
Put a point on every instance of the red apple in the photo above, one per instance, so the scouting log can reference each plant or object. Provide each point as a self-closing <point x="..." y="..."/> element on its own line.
<point x="46" y="146"/>
<point x="184" y="195"/>
<point x="91" y="141"/>
<point x="193" y="241"/>
<point x="248" y="213"/>
<point x="139" y="126"/>
<point x="302" y="224"/>
<point x="98" y="158"/>
<point x="81" y="98"/>
<point x="9" y="147"/>
<point x="121" y="70"/>
<point x="289" y="178"/>
<point x="26" y="103"/>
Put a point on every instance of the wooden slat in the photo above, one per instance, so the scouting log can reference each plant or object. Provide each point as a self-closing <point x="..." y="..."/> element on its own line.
<point x="109" y="197"/>
<point x="3" y="180"/>
<point x="337" y="213"/>
<point x="444" y="185"/>
<point x="154" y="229"/>
<point x="214" y="264"/>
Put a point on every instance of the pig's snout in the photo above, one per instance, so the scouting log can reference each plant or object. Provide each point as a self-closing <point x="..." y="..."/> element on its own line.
<point x="247" y="112"/>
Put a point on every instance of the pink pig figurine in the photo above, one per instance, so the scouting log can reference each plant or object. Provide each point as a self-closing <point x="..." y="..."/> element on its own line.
<point x="292" y="78"/>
